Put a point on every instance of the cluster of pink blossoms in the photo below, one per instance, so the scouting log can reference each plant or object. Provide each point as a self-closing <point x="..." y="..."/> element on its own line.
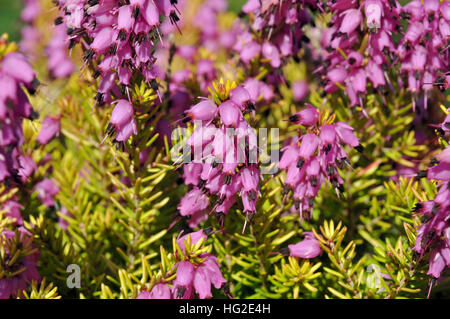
<point x="206" y="20"/>
<point x="192" y="278"/>
<point x="275" y="31"/>
<point x="344" y="63"/>
<point x="30" y="36"/>
<point x="423" y="51"/>
<point x="13" y="285"/>
<point x="224" y="164"/>
<point x="434" y="234"/>
<point x="15" y="74"/>
<point x="122" y="34"/>
<point x="314" y="158"/>
<point x="59" y="64"/>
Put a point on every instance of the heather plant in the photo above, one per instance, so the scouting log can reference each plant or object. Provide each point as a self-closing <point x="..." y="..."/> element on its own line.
<point x="163" y="149"/>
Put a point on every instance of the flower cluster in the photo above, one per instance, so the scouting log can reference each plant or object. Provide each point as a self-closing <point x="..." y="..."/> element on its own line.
<point x="433" y="235"/>
<point x="353" y="57"/>
<point x="225" y="164"/>
<point x="194" y="276"/>
<point x="275" y="30"/>
<point x="18" y="273"/>
<point x="423" y="51"/>
<point x="206" y="20"/>
<point x="30" y="35"/>
<point x="59" y="64"/>
<point x="313" y="158"/>
<point x="344" y="57"/>
<point x="122" y="35"/>
<point x="15" y="74"/>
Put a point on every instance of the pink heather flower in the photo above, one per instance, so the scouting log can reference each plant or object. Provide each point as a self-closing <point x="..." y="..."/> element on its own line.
<point x="203" y="111"/>
<point x="230" y="114"/>
<point x="373" y="10"/>
<point x="59" y="64"/>
<point x="30" y="37"/>
<point x="300" y="90"/>
<point x="307" y="248"/>
<point x="220" y="146"/>
<point x="343" y="36"/>
<point x="50" y="127"/>
<point x="275" y="30"/>
<point x="46" y="190"/>
<point x="185" y="273"/>
<point x="258" y="89"/>
<point x="26" y="167"/>
<point x="122" y="121"/>
<point x="15" y="66"/>
<point x="439" y="259"/>
<point x="159" y="291"/>
<point x="308" y="116"/>
<point x="122" y="36"/>
<point x="250" y="51"/>
<point x="271" y="53"/>
<point x="241" y="96"/>
<point x="345" y="132"/>
<point x="193" y="201"/>
<point x="422" y="50"/>
<point x="352" y="19"/>
<point x="12" y="209"/>
<point x="191" y="173"/>
<point x="11" y="286"/>
<point x="15" y="73"/>
<point x="434" y="233"/>
<point x="202" y="284"/>
<point x="289" y="157"/>
<point x="309" y="145"/>
<point x="315" y="160"/>
<point x="196" y="278"/>
<point x="30" y="11"/>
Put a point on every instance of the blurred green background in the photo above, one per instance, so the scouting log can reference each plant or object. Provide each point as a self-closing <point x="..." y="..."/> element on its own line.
<point x="10" y="16"/>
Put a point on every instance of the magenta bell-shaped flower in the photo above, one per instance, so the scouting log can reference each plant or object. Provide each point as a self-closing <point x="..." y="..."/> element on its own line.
<point x="230" y="114"/>
<point x="250" y="51"/>
<point x="307" y="248"/>
<point x="352" y="18"/>
<point x="192" y="202"/>
<point x="159" y="291"/>
<point x="241" y="97"/>
<point x="309" y="145"/>
<point x="15" y="65"/>
<point x="122" y="121"/>
<point x="50" y="127"/>
<point x="373" y="10"/>
<point x="271" y="53"/>
<point x="300" y="90"/>
<point x="203" y="111"/>
<point x="46" y="190"/>
<point x="185" y="273"/>
<point x="308" y="116"/>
